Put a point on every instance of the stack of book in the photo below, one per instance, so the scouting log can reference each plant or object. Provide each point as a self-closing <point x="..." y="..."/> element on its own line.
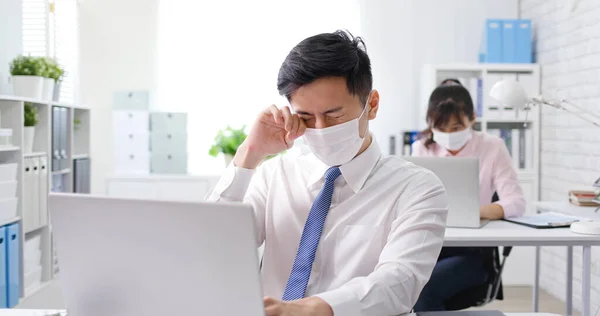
<point x="583" y="197"/>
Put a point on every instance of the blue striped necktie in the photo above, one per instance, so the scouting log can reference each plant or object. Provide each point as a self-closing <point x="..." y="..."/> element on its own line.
<point x="298" y="280"/>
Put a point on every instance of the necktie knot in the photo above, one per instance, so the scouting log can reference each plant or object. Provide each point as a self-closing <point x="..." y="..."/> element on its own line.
<point x="332" y="173"/>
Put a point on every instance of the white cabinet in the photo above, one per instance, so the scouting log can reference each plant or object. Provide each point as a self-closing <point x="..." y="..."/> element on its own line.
<point x="169" y="163"/>
<point x="164" y="142"/>
<point x="128" y="162"/>
<point x="168" y="122"/>
<point x="131" y="121"/>
<point x="148" y="142"/>
<point x="132" y="100"/>
<point x="131" y="140"/>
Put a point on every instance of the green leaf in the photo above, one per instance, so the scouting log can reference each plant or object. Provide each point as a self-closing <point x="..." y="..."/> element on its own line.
<point x="227" y="141"/>
<point x="31" y="115"/>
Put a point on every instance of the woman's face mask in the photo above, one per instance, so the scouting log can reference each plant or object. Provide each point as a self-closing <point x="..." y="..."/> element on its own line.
<point x="337" y="145"/>
<point x="454" y="140"/>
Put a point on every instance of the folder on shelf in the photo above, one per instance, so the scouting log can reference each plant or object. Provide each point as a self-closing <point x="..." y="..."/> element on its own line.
<point x="522" y="149"/>
<point x="493" y="41"/>
<point x="82" y="175"/>
<point x="516" y="143"/>
<point x="13" y="240"/>
<point x="3" y="270"/>
<point x="78" y="175"/>
<point x="509" y="41"/>
<point x="56" y="146"/>
<point x="529" y="152"/>
<point x="43" y="187"/>
<point x="35" y="192"/>
<point x="523" y="42"/>
<point x="63" y="134"/>
<point x="28" y="203"/>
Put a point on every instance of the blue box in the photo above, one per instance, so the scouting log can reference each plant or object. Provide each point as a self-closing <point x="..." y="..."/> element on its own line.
<point x="524" y="42"/>
<point x="3" y="278"/>
<point x="493" y="40"/>
<point x="509" y="41"/>
<point x="13" y="245"/>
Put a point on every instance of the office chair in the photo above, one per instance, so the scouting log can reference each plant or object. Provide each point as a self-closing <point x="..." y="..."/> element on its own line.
<point x="492" y="289"/>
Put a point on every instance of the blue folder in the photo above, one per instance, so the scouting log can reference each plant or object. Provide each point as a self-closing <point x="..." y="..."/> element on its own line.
<point x="524" y="42"/>
<point x="13" y="268"/>
<point x="493" y="41"/>
<point x="509" y="41"/>
<point x="3" y="279"/>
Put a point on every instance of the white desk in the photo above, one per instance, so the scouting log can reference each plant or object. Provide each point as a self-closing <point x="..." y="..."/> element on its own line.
<point x="570" y="209"/>
<point x="36" y="312"/>
<point x="501" y="233"/>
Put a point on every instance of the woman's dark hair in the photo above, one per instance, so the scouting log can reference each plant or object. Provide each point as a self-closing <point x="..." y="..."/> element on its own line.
<point x="445" y="102"/>
<point x="337" y="54"/>
<point x="450" y="82"/>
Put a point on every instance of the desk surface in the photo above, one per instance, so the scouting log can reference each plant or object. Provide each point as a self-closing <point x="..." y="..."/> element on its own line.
<point x="35" y="312"/>
<point x="568" y="208"/>
<point x="502" y="233"/>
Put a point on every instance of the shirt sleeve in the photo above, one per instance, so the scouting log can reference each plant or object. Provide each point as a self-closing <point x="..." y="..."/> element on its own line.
<point x="418" y="148"/>
<point x="242" y="185"/>
<point x="506" y="183"/>
<point x="407" y="259"/>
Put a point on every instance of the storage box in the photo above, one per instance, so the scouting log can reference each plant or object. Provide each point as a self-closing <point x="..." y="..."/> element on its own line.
<point x="32" y="261"/>
<point x="32" y="245"/>
<point x="175" y="123"/>
<point x="8" y="172"/>
<point x="33" y="279"/>
<point x="6" y="137"/>
<point x="8" y="208"/>
<point x="8" y="189"/>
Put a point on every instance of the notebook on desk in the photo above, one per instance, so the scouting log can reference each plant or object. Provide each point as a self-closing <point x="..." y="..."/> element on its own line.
<point x="462" y="313"/>
<point x="546" y="220"/>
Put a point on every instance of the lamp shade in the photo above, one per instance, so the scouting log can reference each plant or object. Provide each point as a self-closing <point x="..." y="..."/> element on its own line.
<point x="509" y="92"/>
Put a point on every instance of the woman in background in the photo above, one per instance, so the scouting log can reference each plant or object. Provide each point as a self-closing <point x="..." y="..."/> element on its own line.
<point x="450" y="117"/>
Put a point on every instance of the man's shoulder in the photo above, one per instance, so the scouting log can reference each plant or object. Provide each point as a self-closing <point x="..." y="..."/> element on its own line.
<point x="396" y="166"/>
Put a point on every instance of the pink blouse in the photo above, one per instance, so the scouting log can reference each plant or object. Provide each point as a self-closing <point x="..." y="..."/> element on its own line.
<point x="496" y="172"/>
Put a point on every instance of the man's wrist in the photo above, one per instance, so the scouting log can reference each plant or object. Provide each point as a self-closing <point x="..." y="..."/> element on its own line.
<point x="320" y="307"/>
<point x="246" y="157"/>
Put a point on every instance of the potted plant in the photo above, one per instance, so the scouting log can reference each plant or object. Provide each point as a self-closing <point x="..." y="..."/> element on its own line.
<point x="55" y="73"/>
<point x="30" y="119"/>
<point x="27" y="76"/>
<point x="227" y="142"/>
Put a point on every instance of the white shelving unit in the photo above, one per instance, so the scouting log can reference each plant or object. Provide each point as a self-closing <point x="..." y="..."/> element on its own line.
<point x="518" y="270"/>
<point x="12" y="111"/>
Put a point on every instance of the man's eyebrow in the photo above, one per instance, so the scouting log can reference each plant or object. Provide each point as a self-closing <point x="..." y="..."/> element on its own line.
<point x="339" y="108"/>
<point x="324" y="113"/>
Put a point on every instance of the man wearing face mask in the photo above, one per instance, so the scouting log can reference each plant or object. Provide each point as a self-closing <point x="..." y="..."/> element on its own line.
<point x="346" y="230"/>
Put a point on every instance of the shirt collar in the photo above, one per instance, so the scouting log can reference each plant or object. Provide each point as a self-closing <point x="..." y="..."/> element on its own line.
<point x="356" y="172"/>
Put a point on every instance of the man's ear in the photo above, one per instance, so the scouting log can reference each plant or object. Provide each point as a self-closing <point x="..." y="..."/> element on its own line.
<point x="373" y="104"/>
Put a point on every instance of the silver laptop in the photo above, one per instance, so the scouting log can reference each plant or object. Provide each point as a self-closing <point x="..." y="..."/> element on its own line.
<point x="460" y="176"/>
<point x="123" y="257"/>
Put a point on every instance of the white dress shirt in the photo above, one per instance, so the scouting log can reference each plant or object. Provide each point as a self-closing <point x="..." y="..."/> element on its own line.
<point x="381" y="238"/>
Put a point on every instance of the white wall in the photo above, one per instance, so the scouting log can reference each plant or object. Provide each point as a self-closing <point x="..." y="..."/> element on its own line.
<point x="11" y="34"/>
<point x="117" y="52"/>
<point x="568" y="48"/>
<point x="402" y="36"/>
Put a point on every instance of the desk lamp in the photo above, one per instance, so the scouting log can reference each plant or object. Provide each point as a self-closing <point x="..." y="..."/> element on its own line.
<point x="511" y="93"/>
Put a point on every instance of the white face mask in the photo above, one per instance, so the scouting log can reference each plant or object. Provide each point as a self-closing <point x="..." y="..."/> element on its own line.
<point x="336" y="145"/>
<point x="452" y="141"/>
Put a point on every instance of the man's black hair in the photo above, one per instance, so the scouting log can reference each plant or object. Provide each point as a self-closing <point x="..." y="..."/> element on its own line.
<point x="337" y="54"/>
